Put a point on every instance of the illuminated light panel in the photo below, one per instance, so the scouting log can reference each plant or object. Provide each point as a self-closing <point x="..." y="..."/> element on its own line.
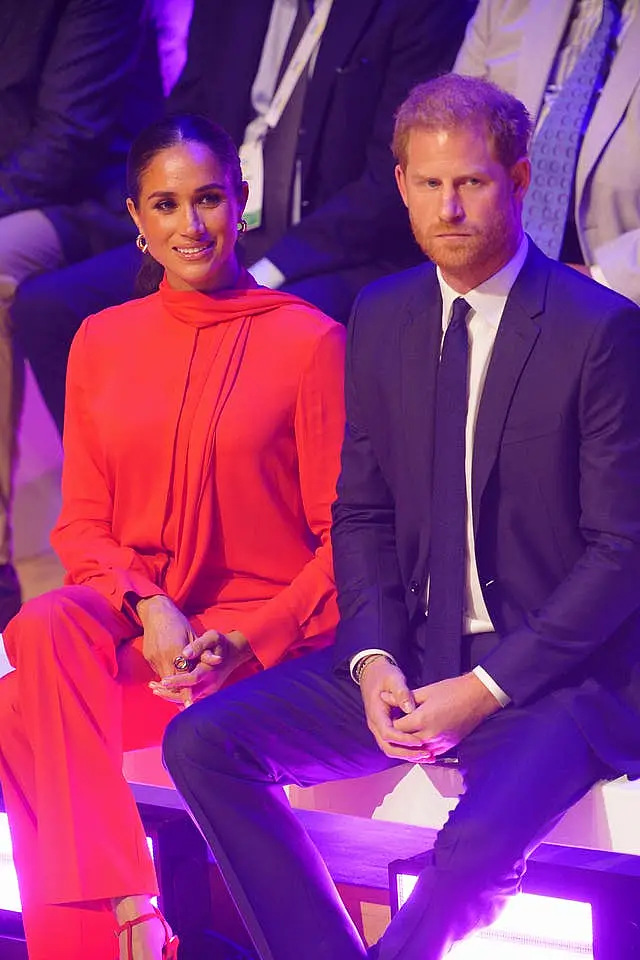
<point x="9" y="893"/>
<point x="531" y="927"/>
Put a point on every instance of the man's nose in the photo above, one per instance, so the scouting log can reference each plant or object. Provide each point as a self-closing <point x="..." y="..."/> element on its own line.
<point x="450" y="206"/>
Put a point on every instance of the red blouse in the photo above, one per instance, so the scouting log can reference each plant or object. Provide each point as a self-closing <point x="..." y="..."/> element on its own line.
<point x="202" y="438"/>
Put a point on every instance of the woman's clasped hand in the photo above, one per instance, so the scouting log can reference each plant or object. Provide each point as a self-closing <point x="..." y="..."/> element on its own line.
<point x="211" y="659"/>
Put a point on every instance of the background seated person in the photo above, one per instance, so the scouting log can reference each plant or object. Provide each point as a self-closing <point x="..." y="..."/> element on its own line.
<point x="332" y="220"/>
<point x="68" y="68"/>
<point x="576" y="68"/>
<point x="202" y="441"/>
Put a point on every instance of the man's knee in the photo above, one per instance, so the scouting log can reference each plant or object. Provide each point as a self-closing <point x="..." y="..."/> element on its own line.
<point x="207" y="735"/>
<point x="177" y="742"/>
<point x="50" y="308"/>
<point x="183" y="741"/>
<point x="45" y="309"/>
<point x="29" y="244"/>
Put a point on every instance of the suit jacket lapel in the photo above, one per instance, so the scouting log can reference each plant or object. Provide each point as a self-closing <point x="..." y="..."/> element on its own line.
<point x="420" y="337"/>
<point x="517" y="334"/>
<point x="612" y="103"/>
<point x="344" y="27"/>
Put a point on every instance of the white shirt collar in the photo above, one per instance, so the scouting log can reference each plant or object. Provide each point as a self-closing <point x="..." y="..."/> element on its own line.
<point x="489" y="298"/>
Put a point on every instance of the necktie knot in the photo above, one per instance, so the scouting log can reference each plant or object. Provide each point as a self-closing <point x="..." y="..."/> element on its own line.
<point x="456" y="337"/>
<point x="459" y="312"/>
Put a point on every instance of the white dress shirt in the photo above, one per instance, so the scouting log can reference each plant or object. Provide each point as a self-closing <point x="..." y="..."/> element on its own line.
<point x="487" y="303"/>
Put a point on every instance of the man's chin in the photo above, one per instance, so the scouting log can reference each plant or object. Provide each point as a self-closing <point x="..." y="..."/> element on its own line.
<point x="449" y="253"/>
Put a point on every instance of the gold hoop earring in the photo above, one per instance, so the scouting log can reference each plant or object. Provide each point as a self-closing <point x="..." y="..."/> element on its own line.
<point x="141" y="243"/>
<point x="242" y="226"/>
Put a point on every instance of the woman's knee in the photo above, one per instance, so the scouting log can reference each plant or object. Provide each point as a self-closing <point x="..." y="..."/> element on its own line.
<point x="9" y="706"/>
<point x="44" y="621"/>
<point x="46" y="608"/>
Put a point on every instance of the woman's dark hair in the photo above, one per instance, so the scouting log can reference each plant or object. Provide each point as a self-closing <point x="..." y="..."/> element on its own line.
<point x="169" y="132"/>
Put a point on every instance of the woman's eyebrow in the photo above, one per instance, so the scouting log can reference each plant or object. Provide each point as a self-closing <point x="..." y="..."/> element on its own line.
<point x="170" y="193"/>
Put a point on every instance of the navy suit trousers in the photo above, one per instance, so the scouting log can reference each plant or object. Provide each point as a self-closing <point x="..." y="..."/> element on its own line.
<point x="300" y="723"/>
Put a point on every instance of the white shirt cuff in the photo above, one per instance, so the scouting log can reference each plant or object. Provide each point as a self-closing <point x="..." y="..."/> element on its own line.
<point x="267" y="274"/>
<point x="597" y="274"/>
<point x="357" y="657"/>
<point x="503" y="698"/>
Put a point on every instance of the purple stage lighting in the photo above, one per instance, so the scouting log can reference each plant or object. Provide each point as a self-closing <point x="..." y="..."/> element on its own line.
<point x="531" y="927"/>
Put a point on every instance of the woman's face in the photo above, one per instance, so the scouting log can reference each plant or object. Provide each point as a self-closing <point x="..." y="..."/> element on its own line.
<point x="188" y="212"/>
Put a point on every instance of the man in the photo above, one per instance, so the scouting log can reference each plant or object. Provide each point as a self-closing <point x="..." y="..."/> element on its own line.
<point x="332" y="220"/>
<point x="515" y="519"/>
<point x="66" y="71"/>
<point x="533" y="49"/>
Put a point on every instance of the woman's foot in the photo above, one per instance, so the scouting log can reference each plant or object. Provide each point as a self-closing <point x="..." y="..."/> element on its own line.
<point x="143" y="933"/>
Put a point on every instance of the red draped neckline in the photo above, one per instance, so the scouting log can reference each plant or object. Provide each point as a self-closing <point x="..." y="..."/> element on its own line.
<point x="245" y="299"/>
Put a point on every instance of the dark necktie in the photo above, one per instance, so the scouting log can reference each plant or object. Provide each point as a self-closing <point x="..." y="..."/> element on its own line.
<point x="554" y="153"/>
<point x="280" y="150"/>
<point x="442" y="654"/>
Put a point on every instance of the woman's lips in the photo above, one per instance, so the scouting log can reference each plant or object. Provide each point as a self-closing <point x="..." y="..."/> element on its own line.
<point x="194" y="251"/>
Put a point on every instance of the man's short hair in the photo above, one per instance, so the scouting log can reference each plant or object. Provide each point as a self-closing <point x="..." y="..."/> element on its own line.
<point x="452" y="102"/>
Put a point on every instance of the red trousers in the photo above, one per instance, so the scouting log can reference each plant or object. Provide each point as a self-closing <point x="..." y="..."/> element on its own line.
<point x="77" y="837"/>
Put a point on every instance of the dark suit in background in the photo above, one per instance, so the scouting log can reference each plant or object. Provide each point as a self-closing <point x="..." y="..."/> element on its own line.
<point x="353" y="227"/>
<point x="66" y="70"/>
<point x="556" y="476"/>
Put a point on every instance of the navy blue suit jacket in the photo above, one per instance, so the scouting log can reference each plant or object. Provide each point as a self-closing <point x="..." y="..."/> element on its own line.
<point x="555" y="489"/>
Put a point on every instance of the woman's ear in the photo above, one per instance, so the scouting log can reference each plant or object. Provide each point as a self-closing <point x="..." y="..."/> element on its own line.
<point x="133" y="213"/>
<point x="244" y="196"/>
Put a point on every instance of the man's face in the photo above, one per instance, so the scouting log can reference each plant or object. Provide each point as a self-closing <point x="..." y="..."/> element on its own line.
<point x="465" y="207"/>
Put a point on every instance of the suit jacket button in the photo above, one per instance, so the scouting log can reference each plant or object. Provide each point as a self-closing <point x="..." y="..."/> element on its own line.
<point x="414" y="586"/>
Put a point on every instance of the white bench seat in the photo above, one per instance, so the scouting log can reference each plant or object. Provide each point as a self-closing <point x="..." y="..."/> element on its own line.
<point x="607" y="818"/>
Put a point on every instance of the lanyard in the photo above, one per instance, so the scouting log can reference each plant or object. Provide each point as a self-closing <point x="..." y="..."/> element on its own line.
<point x="295" y="68"/>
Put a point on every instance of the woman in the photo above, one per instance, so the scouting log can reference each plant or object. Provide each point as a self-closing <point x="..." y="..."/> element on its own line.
<point x="201" y="439"/>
